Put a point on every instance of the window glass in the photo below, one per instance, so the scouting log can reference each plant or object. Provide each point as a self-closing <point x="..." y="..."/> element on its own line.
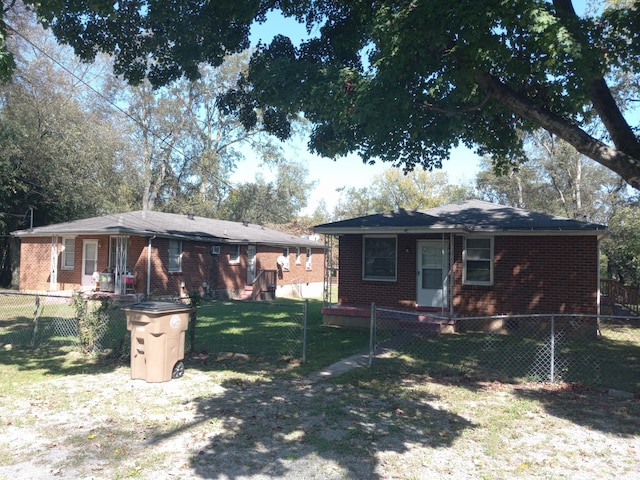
<point x="175" y="255"/>
<point x="234" y="253"/>
<point x="478" y="260"/>
<point x="68" y="253"/>
<point x="379" y="258"/>
<point x="308" y="264"/>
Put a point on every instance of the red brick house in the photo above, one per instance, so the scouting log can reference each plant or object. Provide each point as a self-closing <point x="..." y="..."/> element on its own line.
<point x="471" y="258"/>
<point x="162" y="254"/>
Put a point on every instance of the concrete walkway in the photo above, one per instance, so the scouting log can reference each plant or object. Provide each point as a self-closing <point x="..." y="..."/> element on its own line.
<point x="362" y="359"/>
<point x="346" y="364"/>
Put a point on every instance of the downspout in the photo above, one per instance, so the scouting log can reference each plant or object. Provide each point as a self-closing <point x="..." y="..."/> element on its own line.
<point x="149" y="266"/>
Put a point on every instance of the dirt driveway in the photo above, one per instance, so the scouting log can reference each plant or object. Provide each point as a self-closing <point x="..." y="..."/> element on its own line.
<point x="217" y="424"/>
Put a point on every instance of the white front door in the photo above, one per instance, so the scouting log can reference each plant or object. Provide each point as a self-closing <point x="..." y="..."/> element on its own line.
<point x="89" y="261"/>
<point x="251" y="264"/>
<point x="432" y="273"/>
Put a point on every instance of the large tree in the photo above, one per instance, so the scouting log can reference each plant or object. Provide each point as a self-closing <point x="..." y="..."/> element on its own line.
<point x="399" y="80"/>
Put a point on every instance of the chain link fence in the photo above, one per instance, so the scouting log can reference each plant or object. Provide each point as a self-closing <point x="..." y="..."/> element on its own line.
<point x="54" y="321"/>
<point x="270" y="331"/>
<point x="598" y="351"/>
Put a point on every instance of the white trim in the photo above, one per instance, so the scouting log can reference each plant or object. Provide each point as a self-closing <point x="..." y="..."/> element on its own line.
<point x="65" y="255"/>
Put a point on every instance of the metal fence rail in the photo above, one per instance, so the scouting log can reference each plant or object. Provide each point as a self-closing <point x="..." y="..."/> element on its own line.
<point x="268" y="330"/>
<point x="598" y="351"/>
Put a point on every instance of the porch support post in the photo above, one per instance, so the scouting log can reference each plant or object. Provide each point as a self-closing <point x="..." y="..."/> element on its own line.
<point x="53" y="273"/>
<point x="451" y="280"/>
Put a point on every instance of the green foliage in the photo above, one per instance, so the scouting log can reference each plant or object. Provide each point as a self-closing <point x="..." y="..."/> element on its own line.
<point x="622" y="246"/>
<point x="93" y="322"/>
<point x="393" y="190"/>
<point x="262" y="201"/>
<point x="554" y="178"/>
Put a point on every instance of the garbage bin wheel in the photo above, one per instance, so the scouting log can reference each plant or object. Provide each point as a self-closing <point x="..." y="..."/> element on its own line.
<point x="178" y="369"/>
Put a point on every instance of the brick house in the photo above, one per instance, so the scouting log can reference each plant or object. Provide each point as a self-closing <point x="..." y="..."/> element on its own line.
<point x="163" y="254"/>
<point x="471" y="258"/>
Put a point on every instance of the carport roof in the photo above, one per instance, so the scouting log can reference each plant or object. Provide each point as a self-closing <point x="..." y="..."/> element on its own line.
<point x="170" y="225"/>
<point x="464" y="217"/>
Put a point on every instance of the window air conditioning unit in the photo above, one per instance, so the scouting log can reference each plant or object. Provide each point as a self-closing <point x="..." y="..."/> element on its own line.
<point x="215" y="250"/>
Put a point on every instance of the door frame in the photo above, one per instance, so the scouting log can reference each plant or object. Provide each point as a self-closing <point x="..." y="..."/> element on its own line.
<point x="251" y="263"/>
<point x="436" y="300"/>
<point x="88" y="280"/>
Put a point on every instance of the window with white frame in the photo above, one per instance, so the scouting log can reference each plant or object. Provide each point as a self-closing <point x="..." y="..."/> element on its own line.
<point x="478" y="261"/>
<point x="68" y="253"/>
<point x="379" y="258"/>
<point x="234" y="253"/>
<point x="175" y="255"/>
<point x="298" y="255"/>
<point x="308" y="263"/>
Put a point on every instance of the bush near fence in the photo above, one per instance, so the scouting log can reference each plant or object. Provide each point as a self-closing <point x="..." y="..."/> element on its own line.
<point x="98" y="327"/>
<point x="598" y="351"/>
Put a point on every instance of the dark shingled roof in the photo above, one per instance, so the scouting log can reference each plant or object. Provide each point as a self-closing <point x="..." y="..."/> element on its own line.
<point x="172" y="225"/>
<point x="467" y="216"/>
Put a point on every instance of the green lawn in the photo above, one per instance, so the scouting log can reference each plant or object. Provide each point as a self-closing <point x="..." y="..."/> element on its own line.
<point x="252" y="336"/>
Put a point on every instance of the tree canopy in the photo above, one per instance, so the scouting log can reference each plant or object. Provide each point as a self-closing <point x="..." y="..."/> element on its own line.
<point x="401" y="80"/>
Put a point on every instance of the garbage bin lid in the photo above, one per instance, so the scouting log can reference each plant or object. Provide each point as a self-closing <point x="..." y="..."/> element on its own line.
<point x="157" y="306"/>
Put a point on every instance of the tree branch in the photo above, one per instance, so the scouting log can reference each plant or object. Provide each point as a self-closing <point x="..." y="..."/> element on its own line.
<point x="624" y="164"/>
<point x="599" y="93"/>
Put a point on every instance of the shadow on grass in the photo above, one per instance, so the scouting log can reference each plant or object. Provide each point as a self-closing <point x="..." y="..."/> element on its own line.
<point x="295" y="429"/>
<point x="609" y="361"/>
<point x="588" y="408"/>
<point x="53" y="361"/>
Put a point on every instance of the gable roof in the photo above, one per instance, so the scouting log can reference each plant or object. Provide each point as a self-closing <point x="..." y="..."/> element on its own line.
<point x="464" y="217"/>
<point x="171" y="225"/>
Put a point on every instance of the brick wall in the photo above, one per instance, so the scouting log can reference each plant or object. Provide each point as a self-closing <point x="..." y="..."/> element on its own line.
<point x="534" y="275"/>
<point x="537" y="274"/>
<point x="267" y="257"/>
<point x="199" y="265"/>
<point x="35" y="258"/>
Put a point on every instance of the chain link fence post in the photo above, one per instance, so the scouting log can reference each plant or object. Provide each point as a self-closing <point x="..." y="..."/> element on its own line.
<point x="34" y="337"/>
<point x="552" y="356"/>
<point x="305" y="312"/>
<point x="372" y="334"/>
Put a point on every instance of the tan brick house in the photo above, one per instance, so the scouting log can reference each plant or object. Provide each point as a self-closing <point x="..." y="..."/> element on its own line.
<point x="471" y="258"/>
<point x="163" y="254"/>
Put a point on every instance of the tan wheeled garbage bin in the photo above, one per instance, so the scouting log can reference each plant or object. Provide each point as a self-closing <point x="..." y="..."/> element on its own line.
<point x="157" y="339"/>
